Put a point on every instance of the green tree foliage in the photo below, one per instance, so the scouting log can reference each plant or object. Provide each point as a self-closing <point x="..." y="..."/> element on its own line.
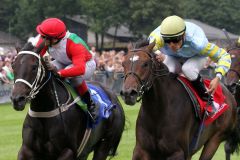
<point x="219" y="13"/>
<point x="7" y="9"/>
<point x="147" y="15"/>
<point x="101" y="15"/>
<point x="20" y="17"/>
<point x="29" y="13"/>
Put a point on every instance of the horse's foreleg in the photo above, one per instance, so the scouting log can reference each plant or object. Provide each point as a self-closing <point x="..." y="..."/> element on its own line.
<point x="101" y="152"/>
<point x="25" y="153"/>
<point x="209" y="149"/>
<point x="67" y="154"/>
<point x="228" y="152"/>
<point x="140" y="154"/>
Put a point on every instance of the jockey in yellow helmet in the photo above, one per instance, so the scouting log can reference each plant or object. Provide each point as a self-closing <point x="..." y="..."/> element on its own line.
<point x="186" y="49"/>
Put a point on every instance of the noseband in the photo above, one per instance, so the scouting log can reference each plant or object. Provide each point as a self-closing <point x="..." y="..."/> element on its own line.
<point x="145" y="85"/>
<point x="36" y="85"/>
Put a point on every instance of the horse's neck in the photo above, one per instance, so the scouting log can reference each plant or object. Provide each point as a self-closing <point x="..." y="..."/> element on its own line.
<point x="158" y="97"/>
<point x="157" y="93"/>
<point x="47" y="97"/>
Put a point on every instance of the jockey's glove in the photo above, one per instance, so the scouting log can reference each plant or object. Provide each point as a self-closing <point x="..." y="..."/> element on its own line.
<point x="49" y="65"/>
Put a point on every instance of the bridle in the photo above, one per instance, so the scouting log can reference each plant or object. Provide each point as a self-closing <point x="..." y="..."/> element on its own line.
<point x="37" y="83"/>
<point x="145" y="85"/>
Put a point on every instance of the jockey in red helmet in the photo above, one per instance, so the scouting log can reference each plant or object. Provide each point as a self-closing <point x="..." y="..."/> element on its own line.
<point x="71" y="57"/>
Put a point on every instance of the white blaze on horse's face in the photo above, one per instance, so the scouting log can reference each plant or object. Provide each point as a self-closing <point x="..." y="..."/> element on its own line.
<point x="134" y="58"/>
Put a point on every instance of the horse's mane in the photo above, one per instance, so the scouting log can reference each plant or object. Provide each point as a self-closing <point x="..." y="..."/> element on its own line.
<point x="141" y="43"/>
<point x="28" y="47"/>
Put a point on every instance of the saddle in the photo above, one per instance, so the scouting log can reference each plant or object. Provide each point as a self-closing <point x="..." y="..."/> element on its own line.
<point x="99" y="97"/>
<point x="199" y="105"/>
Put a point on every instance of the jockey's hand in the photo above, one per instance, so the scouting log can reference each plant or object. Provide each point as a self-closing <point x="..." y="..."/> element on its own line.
<point x="213" y="85"/>
<point x="160" y="56"/>
<point x="57" y="75"/>
<point x="49" y="65"/>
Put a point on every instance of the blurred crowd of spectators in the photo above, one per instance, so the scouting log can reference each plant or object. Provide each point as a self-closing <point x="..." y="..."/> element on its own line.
<point x="6" y="72"/>
<point x="109" y="61"/>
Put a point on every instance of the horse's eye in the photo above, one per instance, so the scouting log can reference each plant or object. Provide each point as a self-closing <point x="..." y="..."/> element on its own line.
<point x="145" y="64"/>
<point x="34" y="67"/>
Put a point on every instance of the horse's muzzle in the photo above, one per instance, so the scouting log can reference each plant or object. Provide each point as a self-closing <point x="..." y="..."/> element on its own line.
<point x="129" y="96"/>
<point x="19" y="102"/>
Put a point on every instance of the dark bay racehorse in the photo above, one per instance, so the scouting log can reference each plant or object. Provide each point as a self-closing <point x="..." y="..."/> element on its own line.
<point x="57" y="129"/>
<point x="166" y="124"/>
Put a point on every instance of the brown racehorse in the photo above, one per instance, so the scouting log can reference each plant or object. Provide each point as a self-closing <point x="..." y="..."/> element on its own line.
<point x="166" y="124"/>
<point x="56" y="128"/>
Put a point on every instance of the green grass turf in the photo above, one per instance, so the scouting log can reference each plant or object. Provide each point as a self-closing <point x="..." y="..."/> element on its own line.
<point x="11" y="126"/>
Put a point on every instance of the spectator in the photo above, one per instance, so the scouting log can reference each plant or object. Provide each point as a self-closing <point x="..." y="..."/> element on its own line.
<point x="3" y="74"/>
<point x="93" y="51"/>
<point x="8" y="69"/>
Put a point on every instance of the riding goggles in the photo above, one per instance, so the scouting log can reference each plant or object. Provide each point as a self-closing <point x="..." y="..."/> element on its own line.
<point x="47" y="37"/>
<point x="172" y="39"/>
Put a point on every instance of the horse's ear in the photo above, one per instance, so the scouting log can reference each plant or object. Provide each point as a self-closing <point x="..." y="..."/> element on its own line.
<point x="39" y="48"/>
<point x="130" y="46"/>
<point x="150" y="46"/>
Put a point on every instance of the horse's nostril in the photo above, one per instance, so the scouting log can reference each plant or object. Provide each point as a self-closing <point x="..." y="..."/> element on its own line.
<point x="130" y="92"/>
<point x="133" y="92"/>
<point x="18" y="98"/>
<point x="21" y="98"/>
<point x="121" y="93"/>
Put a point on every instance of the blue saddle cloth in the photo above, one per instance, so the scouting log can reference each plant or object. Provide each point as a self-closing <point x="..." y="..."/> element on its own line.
<point x="102" y="100"/>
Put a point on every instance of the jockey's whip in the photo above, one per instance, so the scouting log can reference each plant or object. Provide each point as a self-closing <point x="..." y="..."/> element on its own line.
<point x="227" y="35"/>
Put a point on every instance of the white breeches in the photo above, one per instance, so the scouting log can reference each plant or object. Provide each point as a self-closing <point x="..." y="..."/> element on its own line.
<point x="190" y="67"/>
<point x="76" y="81"/>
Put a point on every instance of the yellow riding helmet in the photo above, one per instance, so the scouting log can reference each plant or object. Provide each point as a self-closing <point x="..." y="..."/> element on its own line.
<point x="172" y="26"/>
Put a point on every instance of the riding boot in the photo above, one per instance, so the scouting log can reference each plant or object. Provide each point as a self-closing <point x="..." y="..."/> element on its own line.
<point x="202" y="92"/>
<point x="93" y="109"/>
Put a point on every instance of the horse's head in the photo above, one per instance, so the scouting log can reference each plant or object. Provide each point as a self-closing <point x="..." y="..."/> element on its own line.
<point x="28" y="72"/>
<point x="139" y="68"/>
<point x="233" y="76"/>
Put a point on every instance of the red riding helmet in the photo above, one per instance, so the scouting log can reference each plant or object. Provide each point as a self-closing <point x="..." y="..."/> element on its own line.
<point x="52" y="28"/>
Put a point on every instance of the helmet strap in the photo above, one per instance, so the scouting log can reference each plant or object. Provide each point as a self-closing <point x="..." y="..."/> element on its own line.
<point x="183" y="39"/>
<point x="54" y="43"/>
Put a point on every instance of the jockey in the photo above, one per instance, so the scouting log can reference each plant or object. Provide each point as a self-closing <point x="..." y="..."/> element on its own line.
<point x="184" y="48"/>
<point x="71" y="55"/>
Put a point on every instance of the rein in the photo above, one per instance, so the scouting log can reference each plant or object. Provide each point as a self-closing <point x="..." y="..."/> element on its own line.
<point x="145" y="85"/>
